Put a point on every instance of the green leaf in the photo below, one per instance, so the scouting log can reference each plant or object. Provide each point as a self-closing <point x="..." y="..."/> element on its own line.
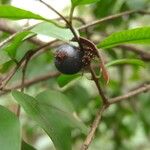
<point x="6" y="66"/>
<point x="62" y="80"/>
<point x="53" y="112"/>
<point x="9" y="130"/>
<point x="26" y="146"/>
<point x="55" y="99"/>
<point x="82" y="2"/>
<point x="11" y="12"/>
<point x="4" y="57"/>
<point x="126" y="61"/>
<point x="138" y="35"/>
<point x="62" y="104"/>
<point x="12" y="47"/>
<point x="51" y="30"/>
<point x="79" y="96"/>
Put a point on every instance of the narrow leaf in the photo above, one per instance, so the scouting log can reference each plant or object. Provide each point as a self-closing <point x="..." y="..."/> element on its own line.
<point x="138" y="35"/>
<point x="9" y="130"/>
<point x="6" y="66"/>
<point x="82" y="2"/>
<point x="126" y="61"/>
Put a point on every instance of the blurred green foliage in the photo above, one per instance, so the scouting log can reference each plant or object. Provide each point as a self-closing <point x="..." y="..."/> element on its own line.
<point x="125" y="126"/>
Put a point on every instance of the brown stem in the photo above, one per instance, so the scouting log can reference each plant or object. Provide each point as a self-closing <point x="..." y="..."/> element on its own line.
<point x="96" y="80"/>
<point x="142" y="53"/>
<point x="28" y="83"/>
<point x="112" y="17"/>
<point x="93" y="128"/>
<point x="118" y="99"/>
<point x="24" y="73"/>
<point x="98" y="117"/>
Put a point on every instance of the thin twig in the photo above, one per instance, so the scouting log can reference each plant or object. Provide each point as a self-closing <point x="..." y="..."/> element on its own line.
<point x="28" y="83"/>
<point x="23" y="74"/>
<point x="98" y="117"/>
<point x="118" y="99"/>
<point x="112" y="17"/>
<point x="145" y="55"/>
<point x="94" y="126"/>
<point x="96" y="80"/>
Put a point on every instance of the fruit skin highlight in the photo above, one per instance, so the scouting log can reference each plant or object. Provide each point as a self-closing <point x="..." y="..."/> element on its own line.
<point x="68" y="59"/>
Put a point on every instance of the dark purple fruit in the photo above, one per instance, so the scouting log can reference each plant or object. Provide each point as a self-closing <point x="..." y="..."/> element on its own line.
<point x="68" y="59"/>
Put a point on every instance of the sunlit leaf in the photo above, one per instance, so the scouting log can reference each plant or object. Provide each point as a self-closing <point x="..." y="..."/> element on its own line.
<point x="11" y="12"/>
<point x="51" y="30"/>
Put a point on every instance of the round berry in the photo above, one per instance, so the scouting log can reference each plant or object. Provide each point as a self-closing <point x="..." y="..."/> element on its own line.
<point x="68" y="59"/>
